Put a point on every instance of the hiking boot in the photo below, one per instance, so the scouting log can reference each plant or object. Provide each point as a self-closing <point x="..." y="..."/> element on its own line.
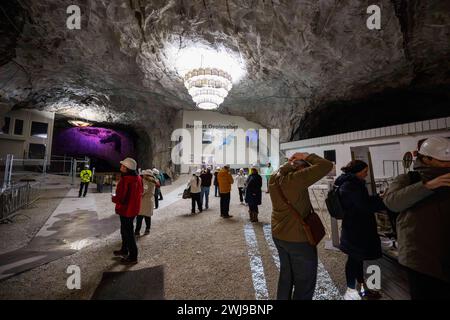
<point x="128" y="260"/>
<point x="147" y="231"/>
<point x="352" y="294"/>
<point x="228" y="216"/>
<point x="120" y="253"/>
<point x="137" y="234"/>
<point x="255" y="217"/>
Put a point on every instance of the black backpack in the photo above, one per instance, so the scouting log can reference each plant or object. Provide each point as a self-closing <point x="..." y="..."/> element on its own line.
<point x="334" y="204"/>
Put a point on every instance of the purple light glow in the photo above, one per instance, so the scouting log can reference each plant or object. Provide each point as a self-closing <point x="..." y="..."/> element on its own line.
<point x="106" y="144"/>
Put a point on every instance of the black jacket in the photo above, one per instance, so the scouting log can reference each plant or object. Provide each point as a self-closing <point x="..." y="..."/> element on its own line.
<point x="206" y="179"/>
<point x="253" y="189"/>
<point x="216" y="182"/>
<point x="359" y="236"/>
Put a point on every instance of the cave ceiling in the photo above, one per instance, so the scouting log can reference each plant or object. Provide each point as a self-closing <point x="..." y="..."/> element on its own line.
<point x="302" y="58"/>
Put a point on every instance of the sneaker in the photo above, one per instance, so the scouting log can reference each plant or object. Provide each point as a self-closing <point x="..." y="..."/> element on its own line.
<point x="147" y="231"/>
<point x="120" y="253"/>
<point x="128" y="260"/>
<point x="352" y="294"/>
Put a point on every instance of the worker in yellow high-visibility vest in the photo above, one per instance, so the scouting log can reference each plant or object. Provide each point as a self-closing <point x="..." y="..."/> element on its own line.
<point x="85" y="176"/>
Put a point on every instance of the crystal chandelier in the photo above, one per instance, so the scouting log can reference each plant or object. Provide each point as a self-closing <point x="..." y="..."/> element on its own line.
<point x="208" y="86"/>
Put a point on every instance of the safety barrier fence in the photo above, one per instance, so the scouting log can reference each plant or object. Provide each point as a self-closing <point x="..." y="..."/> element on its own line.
<point x="17" y="197"/>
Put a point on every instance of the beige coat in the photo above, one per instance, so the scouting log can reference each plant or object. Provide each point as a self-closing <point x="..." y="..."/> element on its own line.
<point x="148" y="196"/>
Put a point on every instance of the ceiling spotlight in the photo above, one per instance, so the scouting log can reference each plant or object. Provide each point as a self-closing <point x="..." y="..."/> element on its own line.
<point x="79" y="123"/>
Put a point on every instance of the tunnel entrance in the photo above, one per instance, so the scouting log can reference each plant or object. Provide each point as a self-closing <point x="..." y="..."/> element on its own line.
<point x="104" y="144"/>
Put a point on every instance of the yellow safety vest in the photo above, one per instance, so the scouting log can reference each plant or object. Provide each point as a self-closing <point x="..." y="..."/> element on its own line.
<point x="86" y="175"/>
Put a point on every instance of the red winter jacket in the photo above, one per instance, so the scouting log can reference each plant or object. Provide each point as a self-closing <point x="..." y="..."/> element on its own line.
<point x="128" y="196"/>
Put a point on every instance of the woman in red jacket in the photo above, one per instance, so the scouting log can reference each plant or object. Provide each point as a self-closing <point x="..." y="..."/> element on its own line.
<point x="128" y="204"/>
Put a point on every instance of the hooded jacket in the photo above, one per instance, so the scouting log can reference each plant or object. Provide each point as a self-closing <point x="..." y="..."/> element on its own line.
<point x="294" y="183"/>
<point x="225" y="181"/>
<point x="359" y="236"/>
<point x="423" y="225"/>
<point x="128" y="196"/>
<point x="148" y="195"/>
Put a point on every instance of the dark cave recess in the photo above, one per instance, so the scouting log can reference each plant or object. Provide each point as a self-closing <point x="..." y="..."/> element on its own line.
<point x="390" y="107"/>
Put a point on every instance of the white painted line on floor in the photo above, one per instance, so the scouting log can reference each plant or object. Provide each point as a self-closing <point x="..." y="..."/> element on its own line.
<point x="325" y="287"/>
<point x="256" y="265"/>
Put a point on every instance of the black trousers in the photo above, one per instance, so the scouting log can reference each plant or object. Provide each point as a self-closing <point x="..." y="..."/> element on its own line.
<point x="160" y="194"/>
<point x="241" y="194"/>
<point x="196" y="198"/>
<point x="224" y="204"/>
<point x="216" y="190"/>
<point x="148" y="223"/>
<point x="128" y="240"/>
<point x="253" y="207"/>
<point x="156" y="198"/>
<point x="354" y="271"/>
<point x="424" y="287"/>
<point x="85" y="186"/>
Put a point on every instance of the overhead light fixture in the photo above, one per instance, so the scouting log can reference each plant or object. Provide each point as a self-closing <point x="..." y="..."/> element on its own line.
<point x="208" y="87"/>
<point x="79" y="123"/>
<point x="208" y="73"/>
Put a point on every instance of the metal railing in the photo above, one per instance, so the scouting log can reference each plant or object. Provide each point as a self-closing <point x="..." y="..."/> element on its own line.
<point x="17" y="197"/>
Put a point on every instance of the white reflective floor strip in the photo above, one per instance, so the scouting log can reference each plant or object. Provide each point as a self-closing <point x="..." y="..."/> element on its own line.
<point x="17" y="264"/>
<point x="256" y="264"/>
<point x="325" y="287"/>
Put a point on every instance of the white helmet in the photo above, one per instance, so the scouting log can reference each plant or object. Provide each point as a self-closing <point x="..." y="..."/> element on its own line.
<point x="437" y="148"/>
<point x="147" y="172"/>
<point x="198" y="172"/>
<point x="155" y="171"/>
<point x="129" y="163"/>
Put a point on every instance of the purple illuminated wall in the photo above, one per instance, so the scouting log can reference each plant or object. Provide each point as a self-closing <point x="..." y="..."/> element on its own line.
<point x="101" y="143"/>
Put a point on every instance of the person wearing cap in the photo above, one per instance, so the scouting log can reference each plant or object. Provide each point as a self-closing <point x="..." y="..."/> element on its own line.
<point x="147" y="203"/>
<point x="128" y="205"/>
<point x="216" y="182"/>
<point x="158" y="193"/>
<point x="195" y="185"/>
<point x="85" y="176"/>
<point x="422" y="198"/>
<point x="206" y="177"/>
<point x="225" y="181"/>
<point x="253" y="194"/>
<point x="241" y="179"/>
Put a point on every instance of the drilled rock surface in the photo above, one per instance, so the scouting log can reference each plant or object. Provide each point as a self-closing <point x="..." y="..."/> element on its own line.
<point x="299" y="55"/>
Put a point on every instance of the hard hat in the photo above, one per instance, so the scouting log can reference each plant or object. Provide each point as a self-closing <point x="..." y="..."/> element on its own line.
<point x="86" y="166"/>
<point x="155" y="171"/>
<point x="437" y="148"/>
<point x="241" y="169"/>
<point x="129" y="163"/>
<point x="198" y="172"/>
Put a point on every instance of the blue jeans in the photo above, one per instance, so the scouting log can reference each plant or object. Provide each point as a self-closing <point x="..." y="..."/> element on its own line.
<point x="205" y="194"/>
<point x="298" y="270"/>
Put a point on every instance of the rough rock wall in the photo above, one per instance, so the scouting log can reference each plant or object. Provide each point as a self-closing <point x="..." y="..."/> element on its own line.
<point x="300" y="55"/>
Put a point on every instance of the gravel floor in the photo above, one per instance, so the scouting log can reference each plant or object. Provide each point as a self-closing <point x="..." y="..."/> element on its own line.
<point x="204" y="256"/>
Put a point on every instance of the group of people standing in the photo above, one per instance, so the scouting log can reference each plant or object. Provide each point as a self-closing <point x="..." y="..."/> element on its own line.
<point x="421" y="198"/>
<point x="249" y="188"/>
<point x="136" y="197"/>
